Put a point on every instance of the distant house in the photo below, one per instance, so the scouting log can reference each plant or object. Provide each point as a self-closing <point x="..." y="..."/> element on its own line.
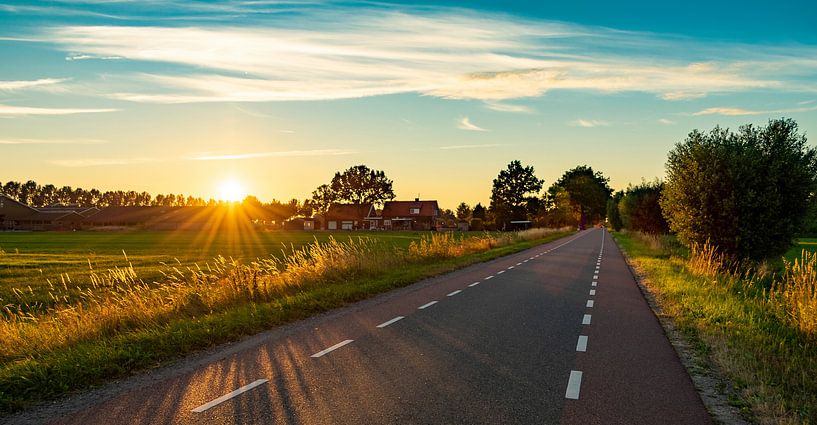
<point x="300" y="223"/>
<point x="348" y="216"/>
<point x="15" y="215"/>
<point x="410" y="215"/>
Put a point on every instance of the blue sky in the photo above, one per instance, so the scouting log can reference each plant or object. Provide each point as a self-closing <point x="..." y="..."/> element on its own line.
<point x="180" y="96"/>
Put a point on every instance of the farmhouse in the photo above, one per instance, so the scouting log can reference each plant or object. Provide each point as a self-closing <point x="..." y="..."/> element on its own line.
<point x="410" y="215"/>
<point x="348" y="216"/>
<point x="16" y="215"/>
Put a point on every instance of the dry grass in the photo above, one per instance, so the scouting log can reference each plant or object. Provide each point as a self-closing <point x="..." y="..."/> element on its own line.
<point x="796" y="293"/>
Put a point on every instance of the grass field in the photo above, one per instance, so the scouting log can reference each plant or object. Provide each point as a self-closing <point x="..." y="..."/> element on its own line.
<point x="808" y="244"/>
<point x="31" y="262"/>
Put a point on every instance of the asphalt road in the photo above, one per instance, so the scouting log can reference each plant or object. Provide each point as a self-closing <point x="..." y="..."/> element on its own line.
<point x="556" y="334"/>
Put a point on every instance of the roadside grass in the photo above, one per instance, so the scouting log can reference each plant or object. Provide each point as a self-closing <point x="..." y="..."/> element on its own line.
<point x="759" y="329"/>
<point x="41" y="269"/>
<point x="801" y="244"/>
<point x="135" y="326"/>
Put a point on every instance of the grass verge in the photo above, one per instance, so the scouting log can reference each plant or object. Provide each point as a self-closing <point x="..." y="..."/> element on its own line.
<point x="77" y="346"/>
<point x="743" y="323"/>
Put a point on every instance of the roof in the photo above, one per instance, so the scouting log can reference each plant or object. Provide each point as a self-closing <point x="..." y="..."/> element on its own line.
<point x="403" y="209"/>
<point x="348" y="211"/>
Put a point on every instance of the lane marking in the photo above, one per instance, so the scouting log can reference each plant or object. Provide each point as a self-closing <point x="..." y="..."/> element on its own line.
<point x="500" y="272"/>
<point x="473" y="284"/>
<point x="526" y="261"/>
<point x="426" y="305"/>
<point x="590" y="303"/>
<point x="586" y="319"/>
<point x="582" y="344"/>
<point x="489" y="277"/>
<point x="595" y="276"/>
<point x="594" y="284"/>
<point x="229" y="395"/>
<point x="454" y="293"/>
<point x="574" y="385"/>
<point x="510" y="267"/>
<point x="389" y="322"/>
<point x="332" y="348"/>
<point x="592" y="292"/>
<point x="531" y="258"/>
<point x="518" y="264"/>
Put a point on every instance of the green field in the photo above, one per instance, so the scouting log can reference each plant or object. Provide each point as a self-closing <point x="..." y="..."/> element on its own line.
<point x="33" y="261"/>
<point x="808" y="244"/>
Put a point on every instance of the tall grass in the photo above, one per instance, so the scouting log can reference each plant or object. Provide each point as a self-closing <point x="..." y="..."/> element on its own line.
<point x="119" y="301"/>
<point x="796" y="292"/>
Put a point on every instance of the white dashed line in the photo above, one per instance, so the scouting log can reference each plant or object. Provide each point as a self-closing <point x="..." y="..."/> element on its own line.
<point x="332" y="348"/>
<point x="384" y="324"/>
<point x="426" y="305"/>
<point x="590" y="303"/>
<point x="526" y="261"/>
<point x="488" y="278"/>
<point x="473" y="284"/>
<point x="454" y="293"/>
<point x="510" y="267"/>
<point x="586" y="319"/>
<point x="574" y="385"/>
<point x="229" y="395"/>
<point x="595" y="276"/>
<point x="518" y="264"/>
<point x="531" y="258"/>
<point x="594" y="284"/>
<point x="592" y="292"/>
<point x="500" y="272"/>
<point x="582" y="344"/>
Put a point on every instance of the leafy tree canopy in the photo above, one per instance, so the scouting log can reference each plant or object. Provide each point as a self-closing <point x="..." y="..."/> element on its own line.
<point x="357" y="185"/>
<point x="747" y="193"/>
<point x="515" y="193"/>
<point x="640" y="210"/>
<point x="463" y="211"/>
<point x="587" y="192"/>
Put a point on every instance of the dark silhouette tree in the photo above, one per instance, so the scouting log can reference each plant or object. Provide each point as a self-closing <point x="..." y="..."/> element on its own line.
<point x="613" y="216"/>
<point x="357" y="185"/>
<point x="463" y="211"/>
<point x="586" y="192"/>
<point x="747" y="193"/>
<point x="513" y="192"/>
<point x="640" y="210"/>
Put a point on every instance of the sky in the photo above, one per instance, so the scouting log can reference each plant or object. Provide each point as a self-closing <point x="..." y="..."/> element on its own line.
<point x="182" y="96"/>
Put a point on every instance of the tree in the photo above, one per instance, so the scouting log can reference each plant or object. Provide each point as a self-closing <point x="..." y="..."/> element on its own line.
<point x="585" y="191"/>
<point x="515" y="190"/>
<point x="747" y="193"/>
<point x="357" y="185"/>
<point x="478" y="212"/>
<point x="463" y="211"/>
<point x="613" y="216"/>
<point x="640" y="210"/>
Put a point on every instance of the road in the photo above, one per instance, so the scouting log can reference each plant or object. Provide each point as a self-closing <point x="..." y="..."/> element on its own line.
<point x="556" y="334"/>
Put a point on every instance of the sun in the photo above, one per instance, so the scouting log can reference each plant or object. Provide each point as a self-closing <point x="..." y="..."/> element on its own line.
<point x="231" y="191"/>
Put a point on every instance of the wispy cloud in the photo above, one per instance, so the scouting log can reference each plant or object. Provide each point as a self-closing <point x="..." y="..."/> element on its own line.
<point x="666" y="121"/>
<point x="98" y="162"/>
<point x="27" y="84"/>
<point x="357" y="52"/>
<point x="51" y="142"/>
<point x="253" y="155"/>
<point x="507" y="107"/>
<point x="80" y="57"/>
<point x="466" y="124"/>
<point x="8" y="110"/>
<point x="588" y="123"/>
<point x="740" y="111"/>
<point x="458" y="147"/>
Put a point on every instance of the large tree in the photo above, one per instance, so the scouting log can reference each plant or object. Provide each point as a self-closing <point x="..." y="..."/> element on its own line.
<point x="514" y="194"/>
<point x="639" y="208"/>
<point x="747" y="193"/>
<point x="586" y="191"/>
<point x="357" y="185"/>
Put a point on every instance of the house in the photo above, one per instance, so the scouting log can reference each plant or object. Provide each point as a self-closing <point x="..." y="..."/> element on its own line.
<point x="410" y="215"/>
<point x="300" y="223"/>
<point x="348" y="216"/>
<point x="15" y="215"/>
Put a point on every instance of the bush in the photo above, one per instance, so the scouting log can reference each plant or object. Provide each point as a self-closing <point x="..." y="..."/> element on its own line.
<point x="640" y="210"/>
<point x="746" y="193"/>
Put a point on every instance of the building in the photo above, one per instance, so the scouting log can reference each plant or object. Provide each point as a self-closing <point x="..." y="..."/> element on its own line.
<point x="348" y="217"/>
<point x="410" y="215"/>
<point x="15" y="215"/>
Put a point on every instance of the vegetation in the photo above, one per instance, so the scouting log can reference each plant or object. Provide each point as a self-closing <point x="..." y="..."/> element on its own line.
<point x="583" y="192"/>
<point x="357" y="185"/>
<point x="759" y="329"/>
<point x="123" y="323"/>
<point x="613" y="215"/>
<point x="639" y="209"/>
<point x="514" y="195"/>
<point x="747" y="193"/>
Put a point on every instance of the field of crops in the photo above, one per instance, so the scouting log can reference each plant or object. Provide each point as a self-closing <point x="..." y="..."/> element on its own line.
<point x="32" y="262"/>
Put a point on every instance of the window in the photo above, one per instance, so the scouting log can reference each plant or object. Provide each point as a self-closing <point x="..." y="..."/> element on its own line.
<point x="415" y="211"/>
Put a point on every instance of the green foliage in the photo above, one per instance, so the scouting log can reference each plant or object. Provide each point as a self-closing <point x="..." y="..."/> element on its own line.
<point x="613" y="216"/>
<point x="357" y="185"/>
<point x="639" y="208"/>
<point x="583" y="191"/>
<point x="463" y="211"/>
<point x="479" y="212"/>
<point x="747" y="193"/>
<point x="515" y="194"/>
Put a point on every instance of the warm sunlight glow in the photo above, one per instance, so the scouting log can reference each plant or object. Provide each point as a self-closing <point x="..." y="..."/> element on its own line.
<point x="231" y="190"/>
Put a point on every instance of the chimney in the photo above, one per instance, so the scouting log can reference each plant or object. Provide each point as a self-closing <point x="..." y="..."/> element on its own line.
<point x="416" y="199"/>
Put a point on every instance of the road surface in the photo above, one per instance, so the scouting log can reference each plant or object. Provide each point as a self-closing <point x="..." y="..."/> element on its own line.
<point x="556" y="334"/>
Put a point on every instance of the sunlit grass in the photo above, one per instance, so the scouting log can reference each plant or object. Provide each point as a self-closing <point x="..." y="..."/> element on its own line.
<point x="758" y="327"/>
<point x="119" y="322"/>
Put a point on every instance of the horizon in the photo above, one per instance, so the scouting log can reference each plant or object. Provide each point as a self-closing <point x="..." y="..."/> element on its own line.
<point x="277" y="97"/>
